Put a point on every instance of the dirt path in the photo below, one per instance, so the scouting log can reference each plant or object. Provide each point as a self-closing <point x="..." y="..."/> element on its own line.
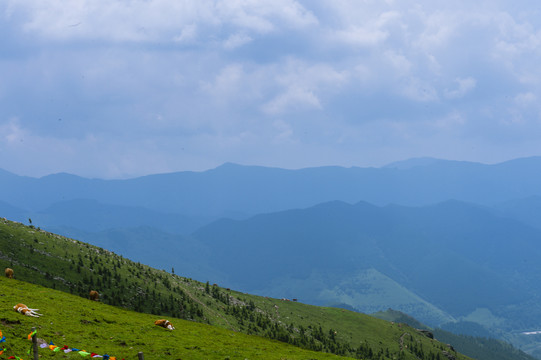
<point x="402" y="340"/>
<point x="210" y="310"/>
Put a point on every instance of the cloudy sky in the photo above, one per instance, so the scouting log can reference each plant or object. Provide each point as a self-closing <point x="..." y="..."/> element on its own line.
<point x="123" y="88"/>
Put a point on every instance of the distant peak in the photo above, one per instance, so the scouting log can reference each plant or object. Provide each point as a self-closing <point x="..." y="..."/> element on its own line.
<point x="5" y="172"/>
<point x="61" y="175"/>
<point x="413" y="162"/>
<point x="533" y="160"/>
<point x="235" y="166"/>
<point x="228" y="165"/>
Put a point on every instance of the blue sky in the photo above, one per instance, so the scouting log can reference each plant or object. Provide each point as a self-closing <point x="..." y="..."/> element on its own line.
<point x="116" y="89"/>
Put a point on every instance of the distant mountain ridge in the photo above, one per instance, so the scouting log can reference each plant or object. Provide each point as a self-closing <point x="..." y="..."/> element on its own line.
<point x="249" y="190"/>
<point x="414" y="162"/>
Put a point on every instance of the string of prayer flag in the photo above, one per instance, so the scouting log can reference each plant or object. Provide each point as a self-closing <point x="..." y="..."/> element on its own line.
<point x="3" y="339"/>
<point x="83" y="353"/>
<point x="32" y="334"/>
<point x="66" y="349"/>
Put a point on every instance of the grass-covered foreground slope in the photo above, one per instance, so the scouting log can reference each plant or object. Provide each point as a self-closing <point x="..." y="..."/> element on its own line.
<point x="75" y="267"/>
<point x="104" y="329"/>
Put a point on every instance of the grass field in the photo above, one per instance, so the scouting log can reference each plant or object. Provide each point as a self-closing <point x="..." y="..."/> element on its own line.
<point x="103" y="329"/>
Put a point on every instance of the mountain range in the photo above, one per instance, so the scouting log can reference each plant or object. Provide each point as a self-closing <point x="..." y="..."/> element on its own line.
<point x="240" y="191"/>
<point x="451" y="243"/>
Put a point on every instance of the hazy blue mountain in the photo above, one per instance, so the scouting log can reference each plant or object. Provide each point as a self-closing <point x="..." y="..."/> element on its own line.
<point x="411" y="163"/>
<point x="150" y="246"/>
<point x="451" y="259"/>
<point x="12" y="212"/>
<point x="249" y="190"/>
<point x="92" y="216"/>
<point x="526" y="210"/>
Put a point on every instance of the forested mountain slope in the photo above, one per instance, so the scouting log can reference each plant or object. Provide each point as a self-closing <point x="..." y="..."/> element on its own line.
<point x="445" y="261"/>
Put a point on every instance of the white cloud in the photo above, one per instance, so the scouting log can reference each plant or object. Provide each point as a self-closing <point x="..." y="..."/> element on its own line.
<point x="302" y="85"/>
<point x="361" y="36"/>
<point x="242" y="73"/>
<point x="449" y="122"/>
<point x="366" y="33"/>
<point x="526" y="99"/>
<point x="236" y="40"/>
<point x="235" y="87"/>
<point x="154" y="20"/>
<point x="417" y="89"/>
<point x="187" y="34"/>
<point x="284" y="131"/>
<point x="399" y="62"/>
<point x="12" y="133"/>
<point x="464" y="86"/>
<point x="438" y="29"/>
<point x="226" y="82"/>
<point x="288" y="86"/>
<point x="293" y="99"/>
<point x="264" y="16"/>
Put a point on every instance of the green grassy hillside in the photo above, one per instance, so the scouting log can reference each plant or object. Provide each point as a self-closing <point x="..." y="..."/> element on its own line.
<point x="104" y="329"/>
<point x="74" y="267"/>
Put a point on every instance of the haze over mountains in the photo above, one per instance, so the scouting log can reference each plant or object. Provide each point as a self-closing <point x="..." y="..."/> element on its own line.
<point x="248" y="190"/>
<point x="445" y="241"/>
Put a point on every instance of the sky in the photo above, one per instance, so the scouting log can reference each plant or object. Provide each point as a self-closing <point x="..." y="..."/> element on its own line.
<point x="125" y="88"/>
